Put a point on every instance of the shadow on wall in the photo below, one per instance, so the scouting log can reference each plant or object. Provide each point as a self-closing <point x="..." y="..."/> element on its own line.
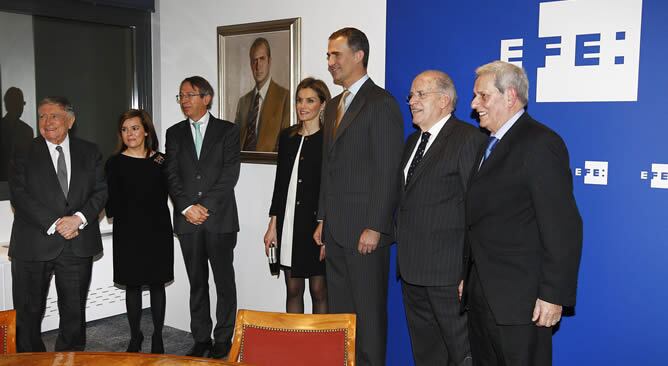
<point x="13" y="131"/>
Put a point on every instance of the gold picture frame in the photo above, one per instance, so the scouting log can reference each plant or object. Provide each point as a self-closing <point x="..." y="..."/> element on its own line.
<point x="237" y="85"/>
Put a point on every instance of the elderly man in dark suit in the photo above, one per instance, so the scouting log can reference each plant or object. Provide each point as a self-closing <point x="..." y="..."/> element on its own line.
<point x="524" y="228"/>
<point x="363" y="140"/>
<point x="265" y="110"/>
<point x="57" y="188"/>
<point x="202" y="170"/>
<point x="437" y="162"/>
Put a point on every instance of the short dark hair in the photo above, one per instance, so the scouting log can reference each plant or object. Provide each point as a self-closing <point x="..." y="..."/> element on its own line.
<point x="63" y="102"/>
<point x="257" y="43"/>
<point x="202" y="85"/>
<point x="356" y="39"/>
<point x="151" y="140"/>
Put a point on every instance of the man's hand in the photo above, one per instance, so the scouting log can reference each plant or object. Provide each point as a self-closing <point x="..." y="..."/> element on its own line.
<point x="460" y="289"/>
<point x="68" y="226"/>
<point x="317" y="234"/>
<point x="368" y="241"/>
<point x="197" y="214"/>
<point x="546" y="314"/>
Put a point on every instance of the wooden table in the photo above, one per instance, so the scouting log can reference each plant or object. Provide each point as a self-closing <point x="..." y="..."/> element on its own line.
<point x="106" y="358"/>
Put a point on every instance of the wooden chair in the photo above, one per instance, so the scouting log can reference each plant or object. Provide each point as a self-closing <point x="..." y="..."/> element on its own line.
<point x="276" y="339"/>
<point x="7" y="332"/>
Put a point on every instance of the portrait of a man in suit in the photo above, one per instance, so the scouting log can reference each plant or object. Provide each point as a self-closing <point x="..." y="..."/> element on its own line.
<point x="57" y="189"/>
<point x="436" y="164"/>
<point x="202" y="171"/>
<point x="265" y="110"/>
<point x="362" y="144"/>
<point x="524" y="230"/>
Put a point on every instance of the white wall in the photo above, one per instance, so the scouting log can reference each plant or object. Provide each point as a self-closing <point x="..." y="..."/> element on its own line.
<point x="185" y="45"/>
<point x="17" y="68"/>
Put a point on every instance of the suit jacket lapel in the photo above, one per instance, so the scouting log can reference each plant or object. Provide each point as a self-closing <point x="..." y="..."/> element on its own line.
<point x="503" y="147"/>
<point x="355" y="107"/>
<point x="46" y="167"/>
<point x="211" y="135"/>
<point x="188" y="140"/>
<point x="76" y="176"/>
<point x="434" y="150"/>
<point x="408" y="150"/>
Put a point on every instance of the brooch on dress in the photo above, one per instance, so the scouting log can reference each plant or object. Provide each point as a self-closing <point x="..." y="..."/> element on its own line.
<point x="159" y="159"/>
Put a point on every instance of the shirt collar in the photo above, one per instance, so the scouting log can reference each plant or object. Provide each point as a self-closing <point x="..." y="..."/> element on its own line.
<point x="435" y="129"/>
<point x="358" y="84"/>
<point x="265" y="87"/>
<point x="65" y="144"/>
<point x="204" y="119"/>
<point x="506" y="126"/>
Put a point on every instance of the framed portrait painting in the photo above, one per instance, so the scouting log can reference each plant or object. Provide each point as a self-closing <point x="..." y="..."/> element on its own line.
<point x="258" y="71"/>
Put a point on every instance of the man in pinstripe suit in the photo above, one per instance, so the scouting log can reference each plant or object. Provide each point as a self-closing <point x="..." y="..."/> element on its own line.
<point x="363" y="140"/>
<point x="436" y="164"/>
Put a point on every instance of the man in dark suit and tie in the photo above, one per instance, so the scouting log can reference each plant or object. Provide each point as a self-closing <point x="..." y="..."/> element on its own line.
<point x="437" y="162"/>
<point x="264" y="111"/>
<point x="524" y="228"/>
<point x="202" y="170"/>
<point x="363" y="140"/>
<point x="57" y="188"/>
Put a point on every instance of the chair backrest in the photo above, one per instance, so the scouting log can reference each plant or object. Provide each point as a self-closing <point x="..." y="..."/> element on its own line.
<point x="276" y="339"/>
<point x="7" y="332"/>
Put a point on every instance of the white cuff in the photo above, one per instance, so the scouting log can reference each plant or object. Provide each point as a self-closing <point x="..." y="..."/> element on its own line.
<point x="84" y="222"/>
<point x="52" y="228"/>
<point x="186" y="210"/>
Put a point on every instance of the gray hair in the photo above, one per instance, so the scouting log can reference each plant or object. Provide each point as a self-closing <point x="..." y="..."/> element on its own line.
<point x="63" y="102"/>
<point x="507" y="76"/>
<point x="445" y="84"/>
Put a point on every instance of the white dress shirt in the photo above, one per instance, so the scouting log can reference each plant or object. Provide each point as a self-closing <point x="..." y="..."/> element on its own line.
<point x="68" y="164"/>
<point x="202" y="130"/>
<point x="433" y="132"/>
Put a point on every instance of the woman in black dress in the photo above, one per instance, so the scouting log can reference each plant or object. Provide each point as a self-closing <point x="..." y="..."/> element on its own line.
<point x="295" y="201"/>
<point x="143" y="240"/>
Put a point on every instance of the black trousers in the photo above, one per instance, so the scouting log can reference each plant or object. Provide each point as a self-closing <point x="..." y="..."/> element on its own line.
<point x="503" y="345"/>
<point x="439" y="331"/>
<point x="30" y="286"/>
<point x="200" y="249"/>
<point x="357" y="284"/>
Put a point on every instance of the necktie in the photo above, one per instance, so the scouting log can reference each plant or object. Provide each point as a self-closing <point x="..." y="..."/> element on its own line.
<point x="341" y="109"/>
<point x="418" y="155"/>
<point x="198" y="137"/>
<point x="250" y="143"/>
<point x="61" y="170"/>
<point x="491" y="144"/>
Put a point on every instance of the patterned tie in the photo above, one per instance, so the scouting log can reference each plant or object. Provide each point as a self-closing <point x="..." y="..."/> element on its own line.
<point x="418" y="155"/>
<point x="250" y="143"/>
<point x="491" y="144"/>
<point x="61" y="170"/>
<point x="341" y="110"/>
<point x="198" y="137"/>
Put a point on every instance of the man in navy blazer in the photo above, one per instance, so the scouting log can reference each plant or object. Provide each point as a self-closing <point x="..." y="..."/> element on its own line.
<point x="202" y="170"/>
<point x="57" y="189"/>
<point x="524" y="229"/>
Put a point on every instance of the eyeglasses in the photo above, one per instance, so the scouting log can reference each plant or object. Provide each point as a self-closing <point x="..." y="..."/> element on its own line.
<point x="182" y="97"/>
<point x="420" y="95"/>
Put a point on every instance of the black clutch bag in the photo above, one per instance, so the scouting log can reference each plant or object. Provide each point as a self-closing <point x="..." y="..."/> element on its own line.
<point x="274" y="261"/>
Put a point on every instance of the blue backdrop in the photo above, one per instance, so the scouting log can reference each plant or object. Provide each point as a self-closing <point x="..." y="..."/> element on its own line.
<point x="602" y="78"/>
